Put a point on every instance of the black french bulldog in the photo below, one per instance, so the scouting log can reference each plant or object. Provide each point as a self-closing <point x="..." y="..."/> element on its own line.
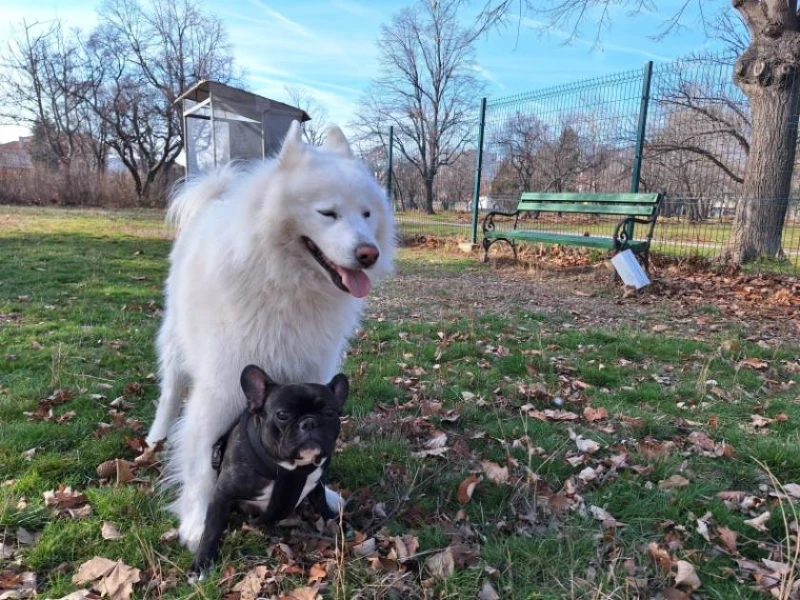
<point x="275" y="455"/>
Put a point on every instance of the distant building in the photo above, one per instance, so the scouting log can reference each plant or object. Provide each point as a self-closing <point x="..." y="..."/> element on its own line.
<point x="15" y="156"/>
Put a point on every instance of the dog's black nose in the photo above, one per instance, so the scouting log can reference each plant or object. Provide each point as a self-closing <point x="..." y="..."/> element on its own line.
<point x="367" y="255"/>
<point x="309" y="423"/>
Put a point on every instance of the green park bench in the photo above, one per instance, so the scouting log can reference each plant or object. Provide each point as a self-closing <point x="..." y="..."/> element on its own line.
<point x="634" y="208"/>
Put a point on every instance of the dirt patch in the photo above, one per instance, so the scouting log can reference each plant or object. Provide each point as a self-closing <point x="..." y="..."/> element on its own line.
<point x="571" y="283"/>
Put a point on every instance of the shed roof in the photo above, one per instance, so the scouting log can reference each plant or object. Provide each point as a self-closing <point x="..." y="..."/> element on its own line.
<point x="202" y="89"/>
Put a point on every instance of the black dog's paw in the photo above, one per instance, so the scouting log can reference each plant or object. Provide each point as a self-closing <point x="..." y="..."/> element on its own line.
<point x="198" y="572"/>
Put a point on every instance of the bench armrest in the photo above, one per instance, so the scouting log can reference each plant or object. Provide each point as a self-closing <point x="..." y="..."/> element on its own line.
<point x="488" y="220"/>
<point x="623" y="232"/>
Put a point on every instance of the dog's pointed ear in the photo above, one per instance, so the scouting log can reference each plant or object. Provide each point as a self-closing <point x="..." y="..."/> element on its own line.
<point x="336" y="143"/>
<point x="257" y="385"/>
<point x="292" y="146"/>
<point x="340" y="387"/>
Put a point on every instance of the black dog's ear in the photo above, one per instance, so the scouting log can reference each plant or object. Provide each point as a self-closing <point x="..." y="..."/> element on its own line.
<point x="340" y="387"/>
<point x="256" y="385"/>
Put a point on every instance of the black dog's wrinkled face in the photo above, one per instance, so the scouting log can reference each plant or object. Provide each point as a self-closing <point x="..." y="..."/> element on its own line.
<point x="298" y="423"/>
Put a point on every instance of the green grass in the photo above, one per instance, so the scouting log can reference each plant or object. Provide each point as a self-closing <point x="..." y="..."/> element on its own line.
<point x="80" y="300"/>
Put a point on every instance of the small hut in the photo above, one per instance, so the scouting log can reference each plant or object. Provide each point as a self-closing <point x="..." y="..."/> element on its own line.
<point x="222" y="123"/>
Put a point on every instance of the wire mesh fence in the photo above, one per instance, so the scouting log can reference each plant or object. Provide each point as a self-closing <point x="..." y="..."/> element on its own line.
<point x="592" y="136"/>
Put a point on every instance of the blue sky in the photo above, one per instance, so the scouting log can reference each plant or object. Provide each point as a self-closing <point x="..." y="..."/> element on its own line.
<point x="328" y="47"/>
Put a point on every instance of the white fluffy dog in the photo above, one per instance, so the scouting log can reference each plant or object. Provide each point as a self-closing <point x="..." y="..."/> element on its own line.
<point x="269" y="267"/>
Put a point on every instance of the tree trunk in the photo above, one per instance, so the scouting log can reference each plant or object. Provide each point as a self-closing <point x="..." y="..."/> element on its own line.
<point x="761" y="212"/>
<point x="429" y="196"/>
<point x="767" y="72"/>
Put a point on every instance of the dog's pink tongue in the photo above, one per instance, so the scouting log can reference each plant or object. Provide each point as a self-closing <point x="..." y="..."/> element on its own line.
<point x="355" y="280"/>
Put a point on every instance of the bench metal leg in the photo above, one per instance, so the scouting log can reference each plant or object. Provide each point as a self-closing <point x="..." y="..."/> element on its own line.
<point x="487" y="243"/>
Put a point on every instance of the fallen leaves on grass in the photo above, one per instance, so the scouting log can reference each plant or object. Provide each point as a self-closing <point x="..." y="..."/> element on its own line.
<point x="760" y="522"/>
<point x="113" y="579"/>
<point x="67" y="501"/>
<point x="466" y="488"/>
<point x="44" y="410"/>
<point x="17" y="584"/>
<point x="687" y="576"/>
<point x="672" y="482"/>
<point x="441" y="565"/>
<point x="494" y="472"/>
<point x="117" y="469"/>
<point x="109" y="531"/>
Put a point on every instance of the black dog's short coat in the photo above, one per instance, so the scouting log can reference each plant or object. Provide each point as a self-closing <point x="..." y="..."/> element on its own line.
<point x="275" y="455"/>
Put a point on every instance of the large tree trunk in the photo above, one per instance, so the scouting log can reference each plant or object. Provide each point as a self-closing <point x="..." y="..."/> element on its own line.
<point x="767" y="72"/>
<point x="429" y="195"/>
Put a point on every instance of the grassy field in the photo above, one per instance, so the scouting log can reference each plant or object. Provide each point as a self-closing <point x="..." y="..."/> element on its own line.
<point x="505" y="437"/>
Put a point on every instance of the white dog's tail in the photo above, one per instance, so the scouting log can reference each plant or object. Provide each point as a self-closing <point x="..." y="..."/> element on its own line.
<point x="197" y="193"/>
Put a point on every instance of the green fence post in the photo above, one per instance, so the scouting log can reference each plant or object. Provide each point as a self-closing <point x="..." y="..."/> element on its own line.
<point x="476" y="195"/>
<point x="389" y="166"/>
<point x="640" y="135"/>
<point x="640" y="132"/>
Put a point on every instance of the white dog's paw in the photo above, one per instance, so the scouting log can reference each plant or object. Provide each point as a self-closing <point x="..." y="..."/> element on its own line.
<point x="157" y="433"/>
<point x="190" y="532"/>
<point x="335" y="501"/>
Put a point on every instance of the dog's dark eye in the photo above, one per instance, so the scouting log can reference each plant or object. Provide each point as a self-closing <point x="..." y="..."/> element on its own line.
<point x="331" y="214"/>
<point x="283" y="415"/>
<point x="366" y="214"/>
<point x="329" y="412"/>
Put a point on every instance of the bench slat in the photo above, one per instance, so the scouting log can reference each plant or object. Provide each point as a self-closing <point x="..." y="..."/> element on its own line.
<point x="621" y="198"/>
<point x="588" y="208"/>
<point x="562" y="238"/>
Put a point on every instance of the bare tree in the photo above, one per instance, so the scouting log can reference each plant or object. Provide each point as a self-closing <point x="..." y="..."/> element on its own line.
<point x="313" y="130"/>
<point x="146" y="55"/>
<point x="518" y="140"/>
<point x="427" y="89"/>
<point x="44" y="79"/>
<point x="766" y="71"/>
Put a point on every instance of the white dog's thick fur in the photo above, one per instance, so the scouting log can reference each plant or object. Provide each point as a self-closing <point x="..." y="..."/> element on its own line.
<point x="245" y="286"/>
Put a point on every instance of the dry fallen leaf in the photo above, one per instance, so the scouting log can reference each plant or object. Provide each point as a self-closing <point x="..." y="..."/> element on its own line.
<point x="441" y="564"/>
<point x="659" y="555"/>
<point x="759" y="421"/>
<point x="302" y="593"/>
<point x="169" y="536"/>
<point x="584" y="444"/>
<point x="81" y="595"/>
<point x="687" y="576"/>
<point x="118" y="469"/>
<point x="365" y="548"/>
<point x="759" y="522"/>
<point x="488" y="592"/>
<point x="317" y="573"/>
<point x="249" y="588"/>
<point x="494" y="472"/>
<point x="592" y="414"/>
<point x="64" y="497"/>
<point x="438" y="440"/>
<point x="17" y="585"/>
<point x="675" y="481"/>
<point x="754" y="363"/>
<point x="792" y="489"/>
<point x="109" y="531"/>
<point x="728" y="538"/>
<point x="405" y="547"/>
<point x="110" y="578"/>
<point x="467" y="488"/>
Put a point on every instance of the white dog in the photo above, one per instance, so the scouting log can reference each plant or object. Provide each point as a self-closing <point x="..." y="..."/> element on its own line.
<point x="269" y="267"/>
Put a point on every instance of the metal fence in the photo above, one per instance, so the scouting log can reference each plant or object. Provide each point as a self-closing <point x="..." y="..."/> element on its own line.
<point x="679" y="128"/>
